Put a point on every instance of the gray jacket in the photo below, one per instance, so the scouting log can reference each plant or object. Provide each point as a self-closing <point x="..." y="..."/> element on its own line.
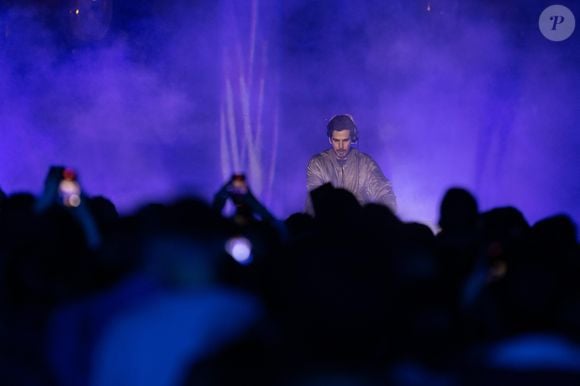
<point x="360" y="174"/>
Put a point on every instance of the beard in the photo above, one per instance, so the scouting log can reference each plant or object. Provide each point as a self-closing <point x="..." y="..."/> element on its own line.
<point x="341" y="154"/>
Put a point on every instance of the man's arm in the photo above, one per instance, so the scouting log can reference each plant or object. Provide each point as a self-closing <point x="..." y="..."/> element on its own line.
<point x="314" y="174"/>
<point x="314" y="179"/>
<point x="379" y="188"/>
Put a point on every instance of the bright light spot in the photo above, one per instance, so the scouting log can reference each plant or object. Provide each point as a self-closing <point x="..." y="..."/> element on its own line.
<point x="240" y="249"/>
<point x="429" y="7"/>
<point x="69" y="187"/>
<point x="74" y="200"/>
<point x="77" y="11"/>
<point x="70" y="192"/>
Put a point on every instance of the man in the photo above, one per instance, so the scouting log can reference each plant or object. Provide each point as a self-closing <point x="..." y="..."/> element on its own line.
<point x="345" y="167"/>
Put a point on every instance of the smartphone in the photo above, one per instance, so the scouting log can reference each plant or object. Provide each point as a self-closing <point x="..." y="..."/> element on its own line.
<point x="69" y="189"/>
<point x="240" y="249"/>
<point x="239" y="184"/>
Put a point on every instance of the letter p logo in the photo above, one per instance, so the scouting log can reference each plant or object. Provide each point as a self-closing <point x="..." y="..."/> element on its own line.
<point x="557" y="20"/>
<point x="557" y="23"/>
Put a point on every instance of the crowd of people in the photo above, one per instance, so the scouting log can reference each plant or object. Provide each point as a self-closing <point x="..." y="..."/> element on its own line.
<point x="346" y="295"/>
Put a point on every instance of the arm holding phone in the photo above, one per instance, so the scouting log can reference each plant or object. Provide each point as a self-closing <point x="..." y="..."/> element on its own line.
<point x="238" y="191"/>
<point x="62" y="188"/>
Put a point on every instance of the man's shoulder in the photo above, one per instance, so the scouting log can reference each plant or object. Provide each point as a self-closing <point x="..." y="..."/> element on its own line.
<point x="362" y="156"/>
<point x="321" y="157"/>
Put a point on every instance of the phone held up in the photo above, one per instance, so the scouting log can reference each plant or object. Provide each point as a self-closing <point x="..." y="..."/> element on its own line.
<point x="69" y="189"/>
<point x="239" y="186"/>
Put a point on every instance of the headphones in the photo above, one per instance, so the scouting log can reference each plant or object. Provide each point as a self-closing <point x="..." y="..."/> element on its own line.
<point x="351" y="125"/>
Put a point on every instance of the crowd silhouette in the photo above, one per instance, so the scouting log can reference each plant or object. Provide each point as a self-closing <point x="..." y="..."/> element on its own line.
<point x="350" y="296"/>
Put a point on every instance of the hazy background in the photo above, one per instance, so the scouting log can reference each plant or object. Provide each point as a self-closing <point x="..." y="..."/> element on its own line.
<point x="154" y="99"/>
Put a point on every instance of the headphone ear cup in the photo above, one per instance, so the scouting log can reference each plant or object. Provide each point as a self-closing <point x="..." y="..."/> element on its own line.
<point x="354" y="138"/>
<point x="354" y="135"/>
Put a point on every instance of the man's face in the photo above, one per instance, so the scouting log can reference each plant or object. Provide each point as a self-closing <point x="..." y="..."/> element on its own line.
<point x="340" y="141"/>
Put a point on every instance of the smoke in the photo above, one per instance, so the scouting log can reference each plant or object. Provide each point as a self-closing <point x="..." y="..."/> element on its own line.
<point x="130" y="117"/>
<point x="445" y="94"/>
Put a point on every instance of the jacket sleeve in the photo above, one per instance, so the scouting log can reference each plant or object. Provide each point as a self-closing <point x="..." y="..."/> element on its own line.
<point x="314" y="174"/>
<point x="314" y="179"/>
<point x="379" y="188"/>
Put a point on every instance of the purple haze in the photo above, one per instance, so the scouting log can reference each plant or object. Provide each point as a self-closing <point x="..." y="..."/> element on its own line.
<point x="444" y="94"/>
